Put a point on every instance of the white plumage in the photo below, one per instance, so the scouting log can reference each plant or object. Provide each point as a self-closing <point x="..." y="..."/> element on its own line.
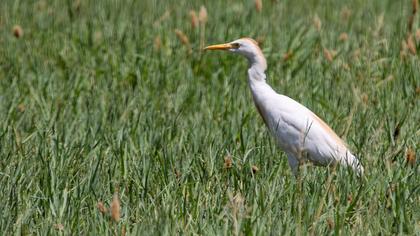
<point x="297" y="130"/>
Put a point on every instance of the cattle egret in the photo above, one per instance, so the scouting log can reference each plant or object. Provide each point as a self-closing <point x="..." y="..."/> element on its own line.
<point x="296" y="129"/>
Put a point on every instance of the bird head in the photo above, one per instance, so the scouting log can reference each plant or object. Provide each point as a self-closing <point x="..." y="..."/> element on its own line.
<point x="246" y="47"/>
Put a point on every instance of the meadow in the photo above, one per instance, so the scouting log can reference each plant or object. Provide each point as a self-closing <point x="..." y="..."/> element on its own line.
<point x="113" y="121"/>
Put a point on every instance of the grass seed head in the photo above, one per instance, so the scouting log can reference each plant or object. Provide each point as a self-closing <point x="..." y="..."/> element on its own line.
<point x="238" y="200"/>
<point x="418" y="35"/>
<point x="21" y="107"/>
<point x="287" y="56"/>
<point x="330" y="224"/>
<point x="184" y="39"/>
<point x="411" y="45"/>
<point x="258" y="5"/>
<point x="317" y="23"/>
<point x="194" y="19"/>
<point x="254" y="169"/>
<point x="345" y="13"/>
<point x="17" y="31"/>
<point x="115" y="208"/>
<point x="343" y="37"/>
<point x="404" y="49"/>
<point x="418" y="90"/>
<point x="365" y="98"/>
<point x="101" y="207"/>
<point x="379" y="25"/>
<point x="202" y="15"/>
<point x="345" y="66"/>
<point x="228" y="162"/>
<point x="356" y="53"/>
<point x="349" y="198"/>
<point x="157" y="43"/>
<point x="123" y="230"/>
<point x="59" y="227"/>
<point x="328" y="55"/>
<point x="415" y="5"/>
<point x="410" y="156"/>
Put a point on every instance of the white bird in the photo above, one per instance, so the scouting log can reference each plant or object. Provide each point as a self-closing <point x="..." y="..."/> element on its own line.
<point x="296" y="129"/>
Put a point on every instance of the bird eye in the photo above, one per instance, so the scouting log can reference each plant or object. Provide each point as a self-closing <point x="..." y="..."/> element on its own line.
<point x="235" y="45"/>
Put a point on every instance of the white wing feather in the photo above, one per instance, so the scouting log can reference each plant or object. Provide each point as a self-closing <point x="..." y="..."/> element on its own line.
<point x="299" y="132"/>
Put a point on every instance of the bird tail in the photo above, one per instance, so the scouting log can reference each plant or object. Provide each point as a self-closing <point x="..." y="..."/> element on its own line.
<point x="352" y="161"/>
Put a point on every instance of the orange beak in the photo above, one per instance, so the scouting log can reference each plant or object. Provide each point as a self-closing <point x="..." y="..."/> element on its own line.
<point x="225" y="46"/>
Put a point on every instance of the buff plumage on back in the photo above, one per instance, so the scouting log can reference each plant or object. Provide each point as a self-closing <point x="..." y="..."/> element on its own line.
<point x="329" y="131"/>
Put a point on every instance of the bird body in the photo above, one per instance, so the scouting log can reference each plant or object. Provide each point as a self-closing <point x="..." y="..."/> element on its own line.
<point x="296" y="129"/>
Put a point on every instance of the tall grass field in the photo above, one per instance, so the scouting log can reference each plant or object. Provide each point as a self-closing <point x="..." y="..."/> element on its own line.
<point x="114" y="121"/>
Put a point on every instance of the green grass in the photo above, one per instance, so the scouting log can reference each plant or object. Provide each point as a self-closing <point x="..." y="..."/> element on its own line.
<point x="89" y="107"/>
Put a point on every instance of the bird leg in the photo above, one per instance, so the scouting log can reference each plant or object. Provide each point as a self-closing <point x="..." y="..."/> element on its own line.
<point x="293" y="163"/>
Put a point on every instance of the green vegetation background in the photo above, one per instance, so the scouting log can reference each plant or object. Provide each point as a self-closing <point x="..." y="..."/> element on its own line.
<point x="103" y="97"/>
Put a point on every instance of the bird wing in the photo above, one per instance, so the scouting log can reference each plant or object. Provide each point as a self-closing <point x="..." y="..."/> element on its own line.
<point x="298" y="130"/>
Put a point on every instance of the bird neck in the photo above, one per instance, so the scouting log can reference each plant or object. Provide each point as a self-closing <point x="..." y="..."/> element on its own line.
<point x="256" y="81"/>
<point x="256" y="72"/>
<point x="259" y="88"/>
<point x="257" y="66"/>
